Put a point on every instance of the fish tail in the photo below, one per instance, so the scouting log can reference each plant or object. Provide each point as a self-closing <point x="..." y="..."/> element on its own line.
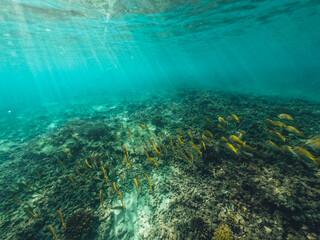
<point x="316" y="161"/>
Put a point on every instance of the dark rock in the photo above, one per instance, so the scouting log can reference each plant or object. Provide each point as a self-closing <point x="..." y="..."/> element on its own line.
<point x="200" y="228"/>
<point x="79" y="224"/>
<point x="210" y="155"/>
<point x="93" y="130"/>
<point x="158" y="121"/>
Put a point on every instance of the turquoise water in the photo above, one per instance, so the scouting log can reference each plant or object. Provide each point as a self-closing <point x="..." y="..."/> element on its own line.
<point x="53" y="49"/>
<point x="147" y="120"/>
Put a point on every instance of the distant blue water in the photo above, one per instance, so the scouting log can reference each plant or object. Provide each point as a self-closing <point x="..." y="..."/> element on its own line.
<point x="60" y="49"/>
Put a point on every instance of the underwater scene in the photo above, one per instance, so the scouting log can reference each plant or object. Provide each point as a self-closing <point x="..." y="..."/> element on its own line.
<point x="152" y="120"/>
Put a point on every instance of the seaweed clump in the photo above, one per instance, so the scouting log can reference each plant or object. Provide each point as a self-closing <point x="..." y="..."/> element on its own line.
<point x="200" y="228"/>
<point x="223" y="232"/>
<point x="79" y="224"/>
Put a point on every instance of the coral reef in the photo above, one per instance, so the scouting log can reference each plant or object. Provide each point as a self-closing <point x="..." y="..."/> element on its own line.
<point x="207" y="165"/>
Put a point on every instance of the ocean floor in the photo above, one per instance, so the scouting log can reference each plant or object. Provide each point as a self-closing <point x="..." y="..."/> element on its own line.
<point x="162" y="166"/>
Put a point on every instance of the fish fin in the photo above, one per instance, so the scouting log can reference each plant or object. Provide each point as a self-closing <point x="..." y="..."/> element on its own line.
<point x="316" y="161"/>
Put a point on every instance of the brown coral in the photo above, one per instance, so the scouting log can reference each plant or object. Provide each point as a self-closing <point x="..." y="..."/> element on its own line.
<point x="223" y="233"/>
